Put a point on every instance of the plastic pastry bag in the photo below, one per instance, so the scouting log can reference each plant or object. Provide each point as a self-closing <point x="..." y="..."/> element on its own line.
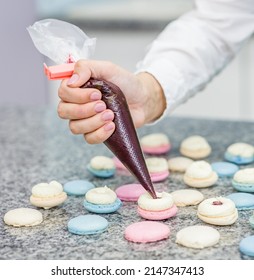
<point x="61" y="41"/>
<point x="64" y="42"/>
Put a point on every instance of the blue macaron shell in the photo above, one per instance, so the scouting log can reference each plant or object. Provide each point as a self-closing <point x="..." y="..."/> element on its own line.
<point x="224" y="169"/>
<point x="243" y="201"/>
<point x="103" y="208"/>
<point x="78" y="187"/>
<point x="87" y="224"/>
<point x="246" y="246"/>
<point x="101" y="173"/>
<point x="238" y="159"/>
<point x="251" y="220"/>
<point x="241" y="187"/>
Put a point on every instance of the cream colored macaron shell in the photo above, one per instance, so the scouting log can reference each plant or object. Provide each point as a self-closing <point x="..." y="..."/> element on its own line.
<point x="200" y="175"/>
<point x="179" y="164"/>
<point x="187" y="197"/>
<point x="102" y="163"/>
<point x="244" y="176"/>
<point x="197" y="237"/>
<point x="241" y="149"/>
<point x="156" y="164"/>
<point x="25" y="217"/>
<point x="218" y="211"/>
<point x="101" y="195"/>
<point x="154" y="140"/>
<point x="48" y="195"/>
<point x="195" y="147"/>
<point x="164" y="201"/>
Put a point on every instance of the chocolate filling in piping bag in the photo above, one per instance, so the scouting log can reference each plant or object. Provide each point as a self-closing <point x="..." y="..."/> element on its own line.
<point x="65" y="43"/>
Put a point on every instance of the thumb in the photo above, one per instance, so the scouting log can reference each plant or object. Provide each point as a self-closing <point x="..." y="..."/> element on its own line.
<point x="81" y="74"/>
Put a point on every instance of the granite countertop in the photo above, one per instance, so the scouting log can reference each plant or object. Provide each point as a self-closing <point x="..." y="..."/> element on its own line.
<point x="36" y="146"/>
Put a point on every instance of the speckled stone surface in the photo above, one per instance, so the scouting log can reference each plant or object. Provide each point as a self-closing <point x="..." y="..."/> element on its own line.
<point x="36" y="146"/>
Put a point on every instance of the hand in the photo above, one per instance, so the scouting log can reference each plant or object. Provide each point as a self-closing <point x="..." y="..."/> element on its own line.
<point x="87" y="112"/>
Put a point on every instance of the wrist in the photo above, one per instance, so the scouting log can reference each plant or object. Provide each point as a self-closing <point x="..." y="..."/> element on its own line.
<point x="155" y="101"/>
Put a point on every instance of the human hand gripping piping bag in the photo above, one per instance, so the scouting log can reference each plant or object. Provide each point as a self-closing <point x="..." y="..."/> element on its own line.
<point x="65" y="43"/>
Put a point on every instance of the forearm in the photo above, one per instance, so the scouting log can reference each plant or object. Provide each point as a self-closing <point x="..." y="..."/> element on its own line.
<point x="197" y="46"/>
<point x="155" y="103"/>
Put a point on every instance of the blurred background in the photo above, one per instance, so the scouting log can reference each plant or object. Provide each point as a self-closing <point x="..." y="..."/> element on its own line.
<point x="124" y="29"/>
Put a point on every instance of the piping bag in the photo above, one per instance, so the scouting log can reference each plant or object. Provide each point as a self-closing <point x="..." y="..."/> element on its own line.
<point x="65" y="43"/>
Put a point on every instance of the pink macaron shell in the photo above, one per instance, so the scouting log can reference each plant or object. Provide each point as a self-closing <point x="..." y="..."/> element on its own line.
<point x="158" y="215"/>
<point x="118" y="163"/>
<point x="163" y="149"/>
<point x="146" y="231"/>
<point x="159" y="176"/>
<point x="130" y="192"/>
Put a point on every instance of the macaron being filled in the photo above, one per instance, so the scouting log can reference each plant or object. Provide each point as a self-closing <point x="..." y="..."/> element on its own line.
<point x="195" y="147"/>
<point x="158" y="168"/>
<point x="219" y="211"/>
<point x="155" y="144"/>
<point x="243" y="201"/>
<point x="130" y="192"/>
<point x="161" y="208"/>
<point x="200" y="175"/>
<point x="240" y="153"/>
<point x="102" y="200"/>
<point x="48" y="195"/>
<point x="243" y="180"/>
<point x="101" y="166"/>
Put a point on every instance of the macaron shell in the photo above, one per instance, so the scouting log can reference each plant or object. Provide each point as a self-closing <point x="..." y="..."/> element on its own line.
<point x="158" y="215"/>
<point x="160" y="176"/>
<point x="146" y="231"/>
<point x="87" y="224"/>
<point x="103" y="208"/>
<point x="23" y="217"/>
<point x="241" y="187"/>
<point x="78" y="187"/>
<point x="130" y="192"/>
<point x="160" y="150"/>
<point x="197" y="237"/>
<point x="187" y="197"/>
<point x="48" y="202"/>
<point x="237" y="159"/>
<point x="106" y="173"/>
<point x="224" y="169"/>
<point x="246" y="246"/>
<point x="200" y="183"/>
<point x="243" y="201"/>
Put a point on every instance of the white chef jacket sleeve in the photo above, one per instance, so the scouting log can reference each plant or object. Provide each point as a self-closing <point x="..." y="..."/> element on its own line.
<point x="191" y="50"/>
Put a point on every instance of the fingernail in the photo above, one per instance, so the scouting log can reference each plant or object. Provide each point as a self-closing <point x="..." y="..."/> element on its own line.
<point x="95" y="96"/>
<point x="99" y="107"/>
<point x="108" y="116"/>
<point x="108" y="126"/>
<point x="73" y="79"/>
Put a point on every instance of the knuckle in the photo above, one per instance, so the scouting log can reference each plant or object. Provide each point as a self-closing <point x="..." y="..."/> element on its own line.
<point x="73" y="127"/>
<point x="60" y="110"/>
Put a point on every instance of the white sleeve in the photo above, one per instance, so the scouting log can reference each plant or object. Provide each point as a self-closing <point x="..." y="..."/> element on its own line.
<point x="191" y="50"/>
